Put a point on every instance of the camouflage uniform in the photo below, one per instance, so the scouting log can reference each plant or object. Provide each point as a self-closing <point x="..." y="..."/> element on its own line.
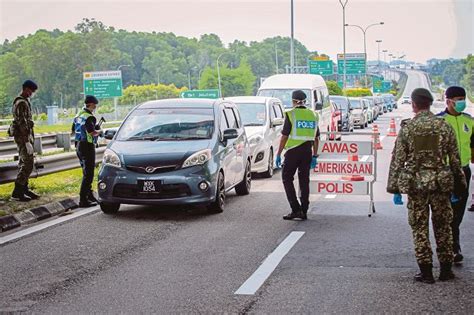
<point x="424" y="162"/>
<point x="22" y="130"/>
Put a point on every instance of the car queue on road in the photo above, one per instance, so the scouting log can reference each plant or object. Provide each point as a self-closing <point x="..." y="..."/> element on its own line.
<point x="194" y="151"/>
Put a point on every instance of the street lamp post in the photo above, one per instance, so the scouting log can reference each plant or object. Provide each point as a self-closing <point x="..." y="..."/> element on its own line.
<point x="385" y="62"/>
<point x="116" y="98"/>
<point x="60" y="93"/>
<point x="292" y="48"/>
<point x="219" y="74"/>
<point x="378" y="41"/>
<point x="343" y="4"/>
<point x="364" y="31"/>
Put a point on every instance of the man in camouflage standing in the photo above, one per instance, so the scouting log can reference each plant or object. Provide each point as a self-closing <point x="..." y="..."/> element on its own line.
<point x="424" y="163"/>
<point x="21" y="130"/>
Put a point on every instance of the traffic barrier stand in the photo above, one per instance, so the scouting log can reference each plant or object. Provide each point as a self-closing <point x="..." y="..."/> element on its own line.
<point x="376" y="138"/>
<point x="353" y="177"/>
<point x="334" y="176"/>
<point x="392" y="132"/>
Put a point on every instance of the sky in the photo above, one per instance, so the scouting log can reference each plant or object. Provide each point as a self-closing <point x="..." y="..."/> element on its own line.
<point x="420" y="29"/>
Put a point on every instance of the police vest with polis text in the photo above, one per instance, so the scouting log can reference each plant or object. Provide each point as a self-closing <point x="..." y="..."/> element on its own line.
<point x="304" y="125"/>
<point x="81" y="133"/>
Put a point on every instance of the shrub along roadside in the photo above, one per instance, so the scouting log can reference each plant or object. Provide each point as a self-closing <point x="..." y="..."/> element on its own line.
<point x="54" y="187"/>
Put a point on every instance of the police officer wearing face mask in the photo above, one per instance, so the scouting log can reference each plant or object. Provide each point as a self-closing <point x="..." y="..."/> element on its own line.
<point x="300" y="139"/>
<point x="86" y="133"/>
<point x="463" y="125"/>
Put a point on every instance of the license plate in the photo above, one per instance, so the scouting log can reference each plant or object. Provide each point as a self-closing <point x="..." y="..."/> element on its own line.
<point x="149" y="186"/>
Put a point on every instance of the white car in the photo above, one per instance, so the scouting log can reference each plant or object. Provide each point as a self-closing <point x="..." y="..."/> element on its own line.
<point x="359" y="109"/>
<point x="405" y="100"/>
<point x="263" y="119"/>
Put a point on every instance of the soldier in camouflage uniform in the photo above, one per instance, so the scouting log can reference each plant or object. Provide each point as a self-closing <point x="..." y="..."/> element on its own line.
<point x="21" y="130"/>
<point x="424" y="163"/>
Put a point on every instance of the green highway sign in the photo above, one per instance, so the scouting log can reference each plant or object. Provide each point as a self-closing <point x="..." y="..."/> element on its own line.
<point x="355" y="64"/>
<point x="377" y="85"/>
<point x="321" y="67"/>
<point x="200" y="94"/>
<point x="103" y="84"/>
<point x="386" y="86"/>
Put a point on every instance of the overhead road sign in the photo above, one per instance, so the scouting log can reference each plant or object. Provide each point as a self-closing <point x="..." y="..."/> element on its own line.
<point x="103" y="84"/>
<point x="321" y="67"/>
<point x="355" y="64"/>
<point x="200" y="94"/>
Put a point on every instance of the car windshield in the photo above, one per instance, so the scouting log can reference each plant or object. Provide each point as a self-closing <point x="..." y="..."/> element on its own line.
<point x="168" y="124"/>
<point x="252" y="114"/>
<point x="355" y="103"/>
<point x="284" y="95"/>
<point x="370" y="101"/>
<point x="341" y="103"/>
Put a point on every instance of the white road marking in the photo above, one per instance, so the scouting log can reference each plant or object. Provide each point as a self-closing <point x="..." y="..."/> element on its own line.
<point x="381" y="138"/>
<point x="330" y="196"/>
<point x="40" y="227"/>
<point x="270" y="263"/>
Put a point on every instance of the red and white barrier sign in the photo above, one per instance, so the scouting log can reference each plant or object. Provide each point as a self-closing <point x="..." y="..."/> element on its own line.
<point x="344" y="168"/>
<point x="327" y="187"/>
<point x="346" y="147"/>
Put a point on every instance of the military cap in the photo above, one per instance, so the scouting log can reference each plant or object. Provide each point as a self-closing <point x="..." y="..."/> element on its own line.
<point x="420" y="95"/>
<point x="91" y="99"/>
<point x="30" y="85"/>
<point x="455" y="91"/>
<point x="298" y="95"/>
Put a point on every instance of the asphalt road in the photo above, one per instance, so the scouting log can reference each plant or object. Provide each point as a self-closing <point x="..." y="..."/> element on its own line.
<point x="150" y="260"/>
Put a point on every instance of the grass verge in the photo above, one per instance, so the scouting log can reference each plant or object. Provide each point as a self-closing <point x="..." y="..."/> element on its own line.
<point x="52" y="188"/>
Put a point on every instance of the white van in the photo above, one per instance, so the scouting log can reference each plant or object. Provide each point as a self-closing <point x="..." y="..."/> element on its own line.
<point x="282" y="86"/>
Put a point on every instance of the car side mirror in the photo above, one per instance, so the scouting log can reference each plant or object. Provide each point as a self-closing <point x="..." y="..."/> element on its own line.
<point x="229" y="134"/>
<point x="110" y="133"/>
<point x="319" y="106"/>
<point x="277" y="122"/>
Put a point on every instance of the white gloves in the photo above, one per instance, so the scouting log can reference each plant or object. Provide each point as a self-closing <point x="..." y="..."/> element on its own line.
<point x="29" y="148"/>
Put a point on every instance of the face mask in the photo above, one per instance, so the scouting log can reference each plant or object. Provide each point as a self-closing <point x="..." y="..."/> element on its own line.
<point x="460" y="106"/>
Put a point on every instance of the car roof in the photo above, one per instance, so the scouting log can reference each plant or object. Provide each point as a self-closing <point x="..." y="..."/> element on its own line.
<point x="250" y="99"/>
<point x="293" y="81"/>
<point x="181" y="102"/>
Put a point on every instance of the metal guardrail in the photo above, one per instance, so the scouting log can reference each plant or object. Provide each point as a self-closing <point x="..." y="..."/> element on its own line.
<point x="48" y="141"/>
<point x="47" y="165"/>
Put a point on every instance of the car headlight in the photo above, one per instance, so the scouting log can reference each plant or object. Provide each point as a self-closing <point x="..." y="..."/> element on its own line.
<point x="255" y="139"/>
<point x="111" y="158"/>
<point x="198" y="158"/>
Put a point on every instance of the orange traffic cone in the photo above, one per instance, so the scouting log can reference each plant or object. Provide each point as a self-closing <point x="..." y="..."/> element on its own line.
<point x="353" y="178"/>
<point x="392" y="132"/>
<point x="376" y="138"/>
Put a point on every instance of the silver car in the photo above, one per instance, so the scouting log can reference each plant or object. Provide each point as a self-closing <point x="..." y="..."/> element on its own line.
<point x="262" y="118"/>
<point x="359" y="111"/>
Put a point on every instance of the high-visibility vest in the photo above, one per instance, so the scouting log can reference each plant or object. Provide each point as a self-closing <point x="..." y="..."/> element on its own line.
<point x="463" y="126"/>
<point x="81" y="133"/>
<point x="304" y="125"/>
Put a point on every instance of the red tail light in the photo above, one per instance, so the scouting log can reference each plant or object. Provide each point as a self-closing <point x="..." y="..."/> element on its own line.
<point x="336" y="113"/>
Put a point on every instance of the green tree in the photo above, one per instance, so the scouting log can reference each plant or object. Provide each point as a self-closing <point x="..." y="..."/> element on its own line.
<point x="235" y="82"/>
<point x="333" y="88"/>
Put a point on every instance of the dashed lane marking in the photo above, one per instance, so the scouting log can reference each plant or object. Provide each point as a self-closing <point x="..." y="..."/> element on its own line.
<point x="270" y="263"/>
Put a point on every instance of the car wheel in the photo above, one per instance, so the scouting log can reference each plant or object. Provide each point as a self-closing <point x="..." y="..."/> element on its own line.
<point x="269" y="172"/>
<point x="366" y="124"/>
<point x="109" y="208"/>
<point x="218" y="205"/>
<point x="243" y="188"/>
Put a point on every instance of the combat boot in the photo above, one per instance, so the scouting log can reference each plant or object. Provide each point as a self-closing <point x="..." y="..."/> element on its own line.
<point x="426" y="274"/>
<point x="18" y="193"/>
<point x="446" y="272"/>
<point x="30" y="194"/>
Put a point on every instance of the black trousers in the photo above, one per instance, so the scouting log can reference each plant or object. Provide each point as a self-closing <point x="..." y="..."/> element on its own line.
<point x="86" y="154"/>
<point x="458" y="211"/>
<point x="297" y="159"/>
